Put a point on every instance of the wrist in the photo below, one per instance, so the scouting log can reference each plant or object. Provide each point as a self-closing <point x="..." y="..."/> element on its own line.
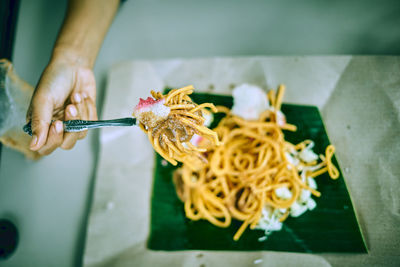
<point x="70" y="55"/>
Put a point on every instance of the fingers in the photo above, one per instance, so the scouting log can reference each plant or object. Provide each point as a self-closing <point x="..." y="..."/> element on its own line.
<point x="54" y="138"/>
<point x="86" y="108"/>
<point x="78" y="100"/>
<point x="40" y="114"/>
<point x="71" y="113"/>
<point x="83" y="108"/>
<point x="91" y="108"/>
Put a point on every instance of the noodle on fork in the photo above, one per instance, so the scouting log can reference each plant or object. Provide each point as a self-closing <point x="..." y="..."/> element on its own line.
<point x="170" y="134"/>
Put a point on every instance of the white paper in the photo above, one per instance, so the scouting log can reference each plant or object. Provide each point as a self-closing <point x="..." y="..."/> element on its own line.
<point x="359" y="99"/>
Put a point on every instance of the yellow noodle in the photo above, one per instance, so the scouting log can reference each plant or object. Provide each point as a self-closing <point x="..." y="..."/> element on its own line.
<point x="184" y="120"/>
<point x="242" y="174"/>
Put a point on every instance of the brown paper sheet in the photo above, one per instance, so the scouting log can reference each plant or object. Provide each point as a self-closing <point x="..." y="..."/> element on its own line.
<point x="360" y="102"/>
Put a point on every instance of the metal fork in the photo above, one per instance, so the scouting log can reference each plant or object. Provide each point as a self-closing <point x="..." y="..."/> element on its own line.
<point x="81" y="125"/>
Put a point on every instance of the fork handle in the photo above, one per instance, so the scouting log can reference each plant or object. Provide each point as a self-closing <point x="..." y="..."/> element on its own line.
<point x="81" y="125"/>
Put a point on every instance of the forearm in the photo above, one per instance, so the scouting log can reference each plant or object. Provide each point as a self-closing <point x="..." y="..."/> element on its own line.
<point x="83" y="31"/>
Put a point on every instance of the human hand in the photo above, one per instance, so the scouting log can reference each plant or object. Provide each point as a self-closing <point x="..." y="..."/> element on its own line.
<point x="66" y="91"/>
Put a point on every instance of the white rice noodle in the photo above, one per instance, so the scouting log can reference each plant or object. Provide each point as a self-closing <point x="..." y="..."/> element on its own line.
<point x="209" y="117"/>
<point x="249" y="101"/>
<point x="283" y="193"/>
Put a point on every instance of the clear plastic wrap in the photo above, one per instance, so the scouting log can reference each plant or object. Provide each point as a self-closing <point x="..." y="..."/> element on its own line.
<point x="15" y="95"/>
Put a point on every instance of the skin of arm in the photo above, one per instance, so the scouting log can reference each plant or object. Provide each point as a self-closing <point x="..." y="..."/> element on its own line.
<point x="67" y="88"/>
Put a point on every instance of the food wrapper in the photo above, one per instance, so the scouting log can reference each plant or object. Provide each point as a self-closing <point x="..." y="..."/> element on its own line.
<point x="359" y="98"/>
<point x="15" y="95"/>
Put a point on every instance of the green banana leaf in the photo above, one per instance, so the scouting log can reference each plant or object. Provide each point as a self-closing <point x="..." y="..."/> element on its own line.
<point x="331" y="227"/>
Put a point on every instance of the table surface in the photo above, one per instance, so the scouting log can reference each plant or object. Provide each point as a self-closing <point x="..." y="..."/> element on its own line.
<point x="49" y="200"/>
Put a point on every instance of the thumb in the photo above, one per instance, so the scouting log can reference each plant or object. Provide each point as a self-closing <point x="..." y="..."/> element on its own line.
<point x="40" y="114"/>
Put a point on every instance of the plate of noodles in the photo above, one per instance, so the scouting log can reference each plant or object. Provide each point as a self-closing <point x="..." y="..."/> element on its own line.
<point x="268" y="181"/>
